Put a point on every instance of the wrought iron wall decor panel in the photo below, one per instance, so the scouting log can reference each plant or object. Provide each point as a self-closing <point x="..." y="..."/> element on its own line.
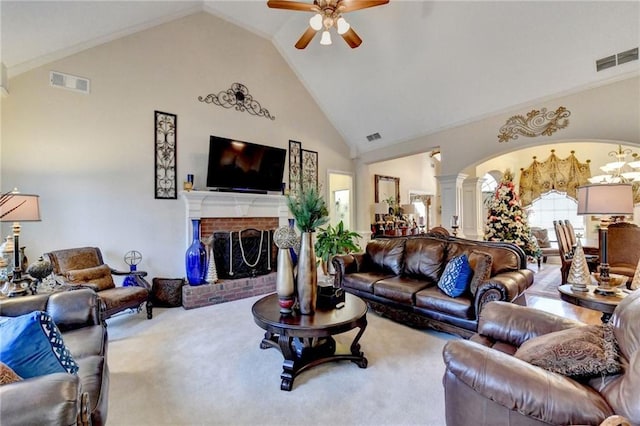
<point x="295" y="168"/>
<point x="238" y="97"/>
<point x="536" y="123"/>
<point x="166" y="130"/>
<point x="309" y="169"/>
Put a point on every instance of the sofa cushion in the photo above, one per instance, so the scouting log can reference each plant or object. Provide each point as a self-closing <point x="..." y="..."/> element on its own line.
<point x="433" y="299"/>
<point x="401" y="289"/>
<point x="456" y="276"/>
<point x="32" y="346"/>
<point x="480" y="263"/>
<point x="99" y="276"/>
<point x="385" y="255"/>
<point x="363" y="281"/>
<point x="584" y="351"/>
<point x="424" y="258"/>
<point x="7" y="375"/>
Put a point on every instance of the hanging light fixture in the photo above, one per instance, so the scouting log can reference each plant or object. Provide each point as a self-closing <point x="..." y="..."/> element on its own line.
<point x="316" y="22"/>
<point x="342" y="26"/>
<point x="619" y="171"/>
<point x="326" y="38"/>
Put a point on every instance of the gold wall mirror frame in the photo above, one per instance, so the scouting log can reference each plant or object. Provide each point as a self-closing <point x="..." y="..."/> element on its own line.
<point x="386" y="187"/>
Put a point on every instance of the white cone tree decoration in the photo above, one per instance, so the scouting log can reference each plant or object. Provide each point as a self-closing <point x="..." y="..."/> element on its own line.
<point x="212" y="273"/>
<point x="579" y="276"/>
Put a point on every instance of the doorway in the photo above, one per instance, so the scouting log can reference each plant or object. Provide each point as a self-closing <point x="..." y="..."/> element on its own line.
<point x="341" y="198"/>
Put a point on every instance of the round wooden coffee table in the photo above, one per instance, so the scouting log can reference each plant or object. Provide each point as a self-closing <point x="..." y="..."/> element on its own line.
<point x="306" y="340"/>
<point x="590" y="300"/>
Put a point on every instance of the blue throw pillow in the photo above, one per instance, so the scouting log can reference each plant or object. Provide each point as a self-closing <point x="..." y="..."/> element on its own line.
<point x="32" y="346"/>
<point x="456" y="276"/>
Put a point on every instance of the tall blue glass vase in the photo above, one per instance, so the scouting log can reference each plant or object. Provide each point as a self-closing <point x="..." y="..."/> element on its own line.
<point x="196" y="257"/>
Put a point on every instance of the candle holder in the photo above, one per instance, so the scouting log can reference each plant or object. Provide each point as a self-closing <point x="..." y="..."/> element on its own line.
<point x="454" y="225"/>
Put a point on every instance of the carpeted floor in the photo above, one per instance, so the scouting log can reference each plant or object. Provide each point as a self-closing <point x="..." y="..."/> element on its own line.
<point x="204" y="366"/>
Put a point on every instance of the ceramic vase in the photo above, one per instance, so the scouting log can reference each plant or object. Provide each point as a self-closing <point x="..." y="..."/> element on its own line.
<point x="196" y="257"/>
<point x="285" y="238"/>
<point x="307" y="281"/>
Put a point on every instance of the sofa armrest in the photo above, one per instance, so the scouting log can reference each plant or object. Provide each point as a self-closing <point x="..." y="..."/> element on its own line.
<point x="515" y="324"/>
<point x="75" y="309"/>
<point x="59" y="401"/>
<point x="346" y="264"/>
<point x="522" y="387"/>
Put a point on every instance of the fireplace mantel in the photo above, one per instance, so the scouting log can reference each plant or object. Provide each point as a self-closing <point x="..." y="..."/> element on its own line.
<point x="202" y="204"/>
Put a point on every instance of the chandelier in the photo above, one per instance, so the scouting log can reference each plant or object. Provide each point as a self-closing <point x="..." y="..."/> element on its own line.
<point x="620" y="170"/>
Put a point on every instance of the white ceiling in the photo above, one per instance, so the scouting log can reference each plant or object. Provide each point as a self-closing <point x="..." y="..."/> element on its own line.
<point x="423" y="66"/>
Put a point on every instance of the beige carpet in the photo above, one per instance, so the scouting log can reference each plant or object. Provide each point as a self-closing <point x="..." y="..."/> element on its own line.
<point x="204" y="366"/>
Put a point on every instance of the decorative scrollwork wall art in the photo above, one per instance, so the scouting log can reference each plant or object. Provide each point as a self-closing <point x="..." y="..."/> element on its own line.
<point x="237" y="96"/>
<point x="166" y="126"/>
<point x="536" y="123"/>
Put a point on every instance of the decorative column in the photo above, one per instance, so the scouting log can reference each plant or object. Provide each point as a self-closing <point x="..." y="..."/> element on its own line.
<point x="452" y="200"/>
<point x="364" y="197"/>
<point x="472" y="208"/>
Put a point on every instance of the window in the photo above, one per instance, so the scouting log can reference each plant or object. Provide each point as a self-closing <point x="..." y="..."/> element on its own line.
<point x="555" y="206"/>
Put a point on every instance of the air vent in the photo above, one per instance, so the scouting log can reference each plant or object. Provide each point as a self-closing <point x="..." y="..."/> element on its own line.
<point x="628" y="56"/>
<point x="69" y="82"/>
<point x="619" y="59"/>
<point x="374" y="137"/>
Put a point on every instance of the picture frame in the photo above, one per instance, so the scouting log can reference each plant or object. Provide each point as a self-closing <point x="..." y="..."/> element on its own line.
<point x="309" y="169"/>
<point x="295" y="168"/>
<point x="165" y="144"/>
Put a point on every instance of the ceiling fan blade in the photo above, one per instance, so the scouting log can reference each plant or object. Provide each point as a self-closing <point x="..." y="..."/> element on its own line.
<point x="292" y="5"/>
<point x="306" y="38"/>
<point x="351" y="5"/>
<point x="352" y="38"/>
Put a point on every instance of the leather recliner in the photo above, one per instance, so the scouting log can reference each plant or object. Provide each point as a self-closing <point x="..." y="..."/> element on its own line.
<point x="485" y="384"/>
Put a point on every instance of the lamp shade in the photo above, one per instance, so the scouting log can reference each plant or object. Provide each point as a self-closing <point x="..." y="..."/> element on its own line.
<point x="408" y="209"/>
<point x="612" y="199"/>
<point x="18" y="207"/>
<point x="380" y="208"/>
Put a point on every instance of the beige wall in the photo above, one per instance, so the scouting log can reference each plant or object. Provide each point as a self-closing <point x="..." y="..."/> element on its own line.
<point x="91" y="157"/>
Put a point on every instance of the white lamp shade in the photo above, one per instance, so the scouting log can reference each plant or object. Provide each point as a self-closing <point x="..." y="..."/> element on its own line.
<point x="408" y="209"/>
<point x="20" y="208"/>
<point x="342" y="25"/>
<point x="326" y="38"/>
<point x="380" y="208"/>
<point x="316" y="22"/>
<point x="613" y="199"/>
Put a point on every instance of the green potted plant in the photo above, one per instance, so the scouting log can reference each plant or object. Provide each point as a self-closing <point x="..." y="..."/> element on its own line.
<point x="335" y="240"/>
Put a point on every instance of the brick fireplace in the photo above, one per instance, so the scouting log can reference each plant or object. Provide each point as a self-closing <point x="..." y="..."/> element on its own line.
<point x="230" y="211"/>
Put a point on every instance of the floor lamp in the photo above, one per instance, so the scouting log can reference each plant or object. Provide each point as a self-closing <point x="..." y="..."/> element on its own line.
<point x="614" y="199"/>
<point x="16" y="208"/>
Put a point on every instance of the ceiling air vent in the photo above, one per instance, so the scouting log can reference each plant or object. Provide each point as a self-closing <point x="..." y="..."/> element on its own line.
<point x="69" y="82"/>
<point x="628" y="56"/>
<point x="604" y="63"/>
<point x="374" y="137"/>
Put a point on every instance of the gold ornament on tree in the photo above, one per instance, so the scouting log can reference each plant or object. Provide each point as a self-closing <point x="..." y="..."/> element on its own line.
<point x="579" y="276"/>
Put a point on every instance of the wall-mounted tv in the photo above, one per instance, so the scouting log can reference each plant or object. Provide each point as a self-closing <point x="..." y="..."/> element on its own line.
<point x="243" y="166"/>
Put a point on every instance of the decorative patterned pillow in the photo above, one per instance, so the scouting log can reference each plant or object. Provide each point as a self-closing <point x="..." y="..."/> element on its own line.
<point x="32" y="346"/>
<point x="100" y="276"/>
<point x="7" y="375"/>
<point x="584" y="351"/>
<point x="456" y="276"/>
<point x="480" y="263"/>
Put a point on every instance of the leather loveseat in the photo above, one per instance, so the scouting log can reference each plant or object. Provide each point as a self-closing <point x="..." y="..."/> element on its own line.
<point x="62" y="398"/>
<point x="486" y="384"/>
<point x="398" y="278"/>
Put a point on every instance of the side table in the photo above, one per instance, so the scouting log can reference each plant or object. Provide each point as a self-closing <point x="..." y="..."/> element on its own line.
<point x="590" y="300"/>
<point x="306" y="340"/>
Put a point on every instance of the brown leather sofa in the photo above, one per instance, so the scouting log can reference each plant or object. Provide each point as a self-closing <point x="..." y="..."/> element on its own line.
<point x="485" y="385"/>
<point x="62" y="398"/>
<point x="398" y="276"/>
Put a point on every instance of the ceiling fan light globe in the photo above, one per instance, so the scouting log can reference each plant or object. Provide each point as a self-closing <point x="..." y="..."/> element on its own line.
<point x="326" y="38"/>
<point x="342" y="25"/>
<point x="316" y="22"/>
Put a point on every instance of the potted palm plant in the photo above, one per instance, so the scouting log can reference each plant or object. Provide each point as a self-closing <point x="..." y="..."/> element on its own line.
<point x="334" y="240"/>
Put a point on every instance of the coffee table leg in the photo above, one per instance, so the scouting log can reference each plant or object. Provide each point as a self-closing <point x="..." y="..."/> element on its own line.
<point x="361" y="362"/>
<point x="288" y="365"/>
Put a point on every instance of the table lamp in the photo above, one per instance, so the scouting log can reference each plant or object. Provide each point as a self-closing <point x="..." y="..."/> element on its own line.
<point x="16" y="207"/>
<point x="614" y="199"/>
<point x="380" y="210"/>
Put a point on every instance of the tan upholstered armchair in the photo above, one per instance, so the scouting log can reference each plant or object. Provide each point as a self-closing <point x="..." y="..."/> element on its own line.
<point x="84" y="267"/>
<point x="623" y="244"/>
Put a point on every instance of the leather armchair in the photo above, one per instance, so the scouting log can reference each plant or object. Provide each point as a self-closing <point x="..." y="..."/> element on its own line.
<point x="623" y="247"/>
<point x="84" y="267"/>
<point x="485" y="385"/>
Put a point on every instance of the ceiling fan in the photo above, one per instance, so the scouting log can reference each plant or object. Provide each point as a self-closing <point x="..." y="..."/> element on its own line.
<point x="328" y="13"/>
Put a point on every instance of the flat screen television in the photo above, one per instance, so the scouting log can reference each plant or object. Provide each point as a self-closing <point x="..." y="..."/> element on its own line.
<point x="243" y="166"/>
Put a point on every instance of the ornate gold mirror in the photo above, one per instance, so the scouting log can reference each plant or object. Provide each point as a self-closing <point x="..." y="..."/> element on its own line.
<point x="387" y="187"/>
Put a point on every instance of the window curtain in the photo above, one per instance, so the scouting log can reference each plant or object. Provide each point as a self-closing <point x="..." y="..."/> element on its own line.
<point x="559" y="174"/>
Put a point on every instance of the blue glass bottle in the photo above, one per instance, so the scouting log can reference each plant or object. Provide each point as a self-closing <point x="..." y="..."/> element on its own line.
<point x="196" y="257"/>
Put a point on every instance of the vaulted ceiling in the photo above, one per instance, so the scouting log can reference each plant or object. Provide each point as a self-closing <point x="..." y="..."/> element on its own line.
<point x="424" y="66"/>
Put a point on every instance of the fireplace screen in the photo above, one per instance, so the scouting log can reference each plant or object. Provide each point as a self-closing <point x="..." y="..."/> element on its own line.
<point x="241" y="254"/>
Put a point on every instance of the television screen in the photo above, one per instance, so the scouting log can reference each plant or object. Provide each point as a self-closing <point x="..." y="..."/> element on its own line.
<point x="243" y="166"/>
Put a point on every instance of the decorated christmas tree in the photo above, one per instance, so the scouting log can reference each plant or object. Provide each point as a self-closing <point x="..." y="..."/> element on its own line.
<point x="507" y="221"/>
